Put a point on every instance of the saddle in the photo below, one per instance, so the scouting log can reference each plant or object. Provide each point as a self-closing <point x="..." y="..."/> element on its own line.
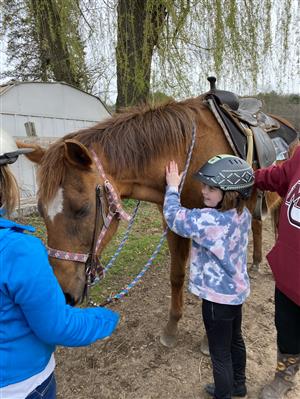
<point x="259" y="138"/>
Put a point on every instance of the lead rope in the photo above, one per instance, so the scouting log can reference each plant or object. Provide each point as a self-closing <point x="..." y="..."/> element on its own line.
<point x="125" y="291"/>
<point x="121" y="245"/>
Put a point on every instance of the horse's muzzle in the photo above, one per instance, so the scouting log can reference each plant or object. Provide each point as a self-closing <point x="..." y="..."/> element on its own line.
<point x="69" y="299"/>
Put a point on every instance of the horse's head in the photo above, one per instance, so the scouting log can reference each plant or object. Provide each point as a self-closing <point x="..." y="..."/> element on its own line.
<point x="73" y="200"/>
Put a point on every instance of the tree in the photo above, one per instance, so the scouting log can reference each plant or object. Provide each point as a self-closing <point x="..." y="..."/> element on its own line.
<point x="226" y="36"/>
<point x="44" y="41"/>
<point x="169" y="46"/>
<point x="139" y="27"/>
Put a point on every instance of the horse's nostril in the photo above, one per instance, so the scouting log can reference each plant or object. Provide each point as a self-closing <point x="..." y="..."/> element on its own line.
<point x="69" y="299"/>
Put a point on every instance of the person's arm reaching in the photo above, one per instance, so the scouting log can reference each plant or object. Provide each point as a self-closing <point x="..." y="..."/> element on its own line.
<point x="36" y="290"/>
<point x="277" y="177"/>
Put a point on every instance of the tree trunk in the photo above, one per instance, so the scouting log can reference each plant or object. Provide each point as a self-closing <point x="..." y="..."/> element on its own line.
<point x="139" y="26"/>
<point x="54" y="44"/>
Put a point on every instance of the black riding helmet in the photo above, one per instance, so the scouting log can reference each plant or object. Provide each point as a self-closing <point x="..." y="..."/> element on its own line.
<point x="228" y="173"/>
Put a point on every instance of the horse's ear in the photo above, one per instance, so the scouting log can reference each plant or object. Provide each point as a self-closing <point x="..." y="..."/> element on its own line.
<point x="36" y="155"/>
<point x="77" y="154"/>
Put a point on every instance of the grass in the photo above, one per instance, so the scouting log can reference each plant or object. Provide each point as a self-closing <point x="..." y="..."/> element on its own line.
<point x="142" y="241"/>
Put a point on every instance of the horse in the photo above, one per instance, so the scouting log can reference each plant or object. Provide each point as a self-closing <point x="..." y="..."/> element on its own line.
<point x="121" y="157"/>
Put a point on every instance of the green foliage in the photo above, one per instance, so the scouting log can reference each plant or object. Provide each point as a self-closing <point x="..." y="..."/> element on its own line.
<point x="161" y="45"/>
<point x="139" y="28"/>
<point x="294" y="99"/>
<point x="228" y="38"/>
<point x="44" y="41"/>
<point x="158" y="97"/>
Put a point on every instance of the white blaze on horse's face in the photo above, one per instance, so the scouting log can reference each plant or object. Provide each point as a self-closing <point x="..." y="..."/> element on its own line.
<point x="56" y="205"/>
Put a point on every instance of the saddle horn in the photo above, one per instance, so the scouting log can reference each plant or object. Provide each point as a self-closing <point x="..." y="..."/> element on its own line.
<point x="222" y="96"/>
<point x="212" y="81"/>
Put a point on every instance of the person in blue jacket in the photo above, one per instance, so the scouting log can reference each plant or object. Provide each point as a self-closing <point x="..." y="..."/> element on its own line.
<point x="34" y="317"/>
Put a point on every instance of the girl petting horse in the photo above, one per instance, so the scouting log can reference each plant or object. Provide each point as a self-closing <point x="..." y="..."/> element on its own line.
<point x="34" y="315"/>
<point x="218" y="263"/>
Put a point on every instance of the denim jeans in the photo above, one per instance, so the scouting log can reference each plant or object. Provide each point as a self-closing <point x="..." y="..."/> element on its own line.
<point x="287" y="321"/>
<point x="47" y="390"/>
<point x="226" y="346"/>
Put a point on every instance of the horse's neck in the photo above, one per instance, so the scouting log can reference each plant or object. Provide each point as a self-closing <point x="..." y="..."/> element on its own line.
<point x="150" y="186"/>
<point x="143" y="189"/>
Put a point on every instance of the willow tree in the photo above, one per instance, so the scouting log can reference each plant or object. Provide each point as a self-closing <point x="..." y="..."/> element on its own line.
<point x="140" y="24"/>
<point x="142" y="46"/>
<point x="229" y="37"/>
<point x="44" y="41"/>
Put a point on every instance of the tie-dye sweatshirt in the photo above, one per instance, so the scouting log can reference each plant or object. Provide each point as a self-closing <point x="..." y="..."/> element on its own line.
<point x="218" y="260"/>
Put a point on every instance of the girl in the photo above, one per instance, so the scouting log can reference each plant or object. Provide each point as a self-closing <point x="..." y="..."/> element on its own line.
<point x="33" y="314"/>
<point x="218" y="263"/>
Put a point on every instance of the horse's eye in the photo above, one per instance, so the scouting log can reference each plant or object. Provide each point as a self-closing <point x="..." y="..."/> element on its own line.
<point x="82" y="212"/>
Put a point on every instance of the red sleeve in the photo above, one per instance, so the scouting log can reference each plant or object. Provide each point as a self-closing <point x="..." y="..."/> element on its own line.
<point x="277" y="177"/>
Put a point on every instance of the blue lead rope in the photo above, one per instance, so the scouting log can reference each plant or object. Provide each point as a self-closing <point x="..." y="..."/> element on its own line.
<point x="125" y="291"/>
<point x="124" y="239"/>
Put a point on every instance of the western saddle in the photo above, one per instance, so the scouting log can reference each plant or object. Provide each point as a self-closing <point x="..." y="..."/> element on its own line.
<point x="258" y="138"/>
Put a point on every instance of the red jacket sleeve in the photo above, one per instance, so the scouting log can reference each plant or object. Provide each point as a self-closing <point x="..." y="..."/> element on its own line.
<point x="277" y="177"/>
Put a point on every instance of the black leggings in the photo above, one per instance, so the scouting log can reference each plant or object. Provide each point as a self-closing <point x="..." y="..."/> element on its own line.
<point x="226" y="346"/>
<point x="287" y="322"/>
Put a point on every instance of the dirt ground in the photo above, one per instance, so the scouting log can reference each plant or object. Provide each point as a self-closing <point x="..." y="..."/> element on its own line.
<point x="132" y="364"/>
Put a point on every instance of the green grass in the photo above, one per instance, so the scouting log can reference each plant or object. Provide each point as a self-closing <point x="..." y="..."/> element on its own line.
<point x="142" y="241"/>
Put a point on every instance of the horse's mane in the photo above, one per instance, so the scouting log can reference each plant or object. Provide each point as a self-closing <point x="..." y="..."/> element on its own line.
<point x="129" y="140"/>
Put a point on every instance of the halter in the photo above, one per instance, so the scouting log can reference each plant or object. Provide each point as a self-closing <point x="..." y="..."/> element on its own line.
<point x="91" y="260"/>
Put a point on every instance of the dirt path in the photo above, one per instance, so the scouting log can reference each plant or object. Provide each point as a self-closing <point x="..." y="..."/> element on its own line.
<point x="132" y="364"/>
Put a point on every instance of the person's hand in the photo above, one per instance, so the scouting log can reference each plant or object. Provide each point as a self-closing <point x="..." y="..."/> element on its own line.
<point x="172" y="176"/>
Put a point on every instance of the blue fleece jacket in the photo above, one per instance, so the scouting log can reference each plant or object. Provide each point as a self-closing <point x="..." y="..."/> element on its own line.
<point x="33" y="314"/>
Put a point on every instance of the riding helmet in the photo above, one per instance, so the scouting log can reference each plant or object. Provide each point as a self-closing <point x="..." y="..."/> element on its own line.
<point x="228" y="173"/>
<point x="9" y="151"/>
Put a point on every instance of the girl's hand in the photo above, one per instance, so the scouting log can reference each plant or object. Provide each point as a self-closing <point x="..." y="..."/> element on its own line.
<point x="172" y="177"/>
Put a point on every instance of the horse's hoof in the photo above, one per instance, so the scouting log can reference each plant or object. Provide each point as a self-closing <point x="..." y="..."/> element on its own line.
<point x="168" y="340"/>
<point x="254" y="268"/>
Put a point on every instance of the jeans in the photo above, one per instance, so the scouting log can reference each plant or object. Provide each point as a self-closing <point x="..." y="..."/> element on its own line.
<point x="47" y="390"/>
<point x="226" y="346"/>
<point x="287" y="322"/>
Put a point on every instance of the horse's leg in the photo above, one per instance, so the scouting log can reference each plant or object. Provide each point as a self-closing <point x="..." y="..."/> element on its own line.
<point x="257" y="243"/>
<point x="179" y="249"/>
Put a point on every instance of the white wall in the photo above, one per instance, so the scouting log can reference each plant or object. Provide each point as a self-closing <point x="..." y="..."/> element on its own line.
<point x="55" y="109"/>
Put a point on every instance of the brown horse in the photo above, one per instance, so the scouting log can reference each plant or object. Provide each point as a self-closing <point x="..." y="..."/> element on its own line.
<point x="133" y="147"/>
